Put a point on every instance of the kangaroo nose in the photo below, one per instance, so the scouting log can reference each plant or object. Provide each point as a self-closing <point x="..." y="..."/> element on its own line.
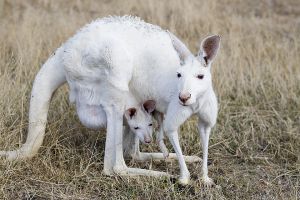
<point x="147" y="140"/>
<point x="184" y="97"/>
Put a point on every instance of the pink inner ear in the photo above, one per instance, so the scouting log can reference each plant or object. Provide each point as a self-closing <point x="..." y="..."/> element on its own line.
<point x="149" y="106"/>
<point x="131" y="112"/>
<point x="210" y="46"/>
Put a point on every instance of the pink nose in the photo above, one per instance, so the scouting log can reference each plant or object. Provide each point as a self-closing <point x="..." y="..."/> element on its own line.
<point x="183" y="97"/>
<point x="147" y="140"/>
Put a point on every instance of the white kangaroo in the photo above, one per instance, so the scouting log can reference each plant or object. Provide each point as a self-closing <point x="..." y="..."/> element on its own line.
<point x="113" y="55"/>
<point x="138" y="128"/>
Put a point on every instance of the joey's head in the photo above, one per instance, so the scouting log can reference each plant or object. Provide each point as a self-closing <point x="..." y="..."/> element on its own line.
<point x="140" y="120"/>
<point x="194" y="76"/>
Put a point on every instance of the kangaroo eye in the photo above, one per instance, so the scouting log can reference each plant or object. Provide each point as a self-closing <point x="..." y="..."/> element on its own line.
<point x="200" y="76"/>
<point x="178" y="75"/>
<point x="150" y="124"/>
<point x="136" y="128"/>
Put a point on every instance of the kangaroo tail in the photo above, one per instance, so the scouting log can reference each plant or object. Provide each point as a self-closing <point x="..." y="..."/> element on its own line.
<point x="50" y="77"/>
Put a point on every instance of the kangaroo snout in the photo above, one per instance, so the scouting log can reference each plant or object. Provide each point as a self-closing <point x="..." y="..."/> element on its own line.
<point x="147" y="140"/>
<point x="183" y="97"/>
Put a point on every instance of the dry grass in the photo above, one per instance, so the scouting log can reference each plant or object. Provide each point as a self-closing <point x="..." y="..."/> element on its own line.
<point x="255" y="147"/>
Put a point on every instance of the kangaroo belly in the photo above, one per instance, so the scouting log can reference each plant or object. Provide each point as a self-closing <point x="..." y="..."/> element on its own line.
<point x="88" y="98"/>
<point x="91" y="116"/>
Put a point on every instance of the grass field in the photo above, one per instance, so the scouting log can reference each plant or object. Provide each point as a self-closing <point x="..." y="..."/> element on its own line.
<point x="254" y="149"/>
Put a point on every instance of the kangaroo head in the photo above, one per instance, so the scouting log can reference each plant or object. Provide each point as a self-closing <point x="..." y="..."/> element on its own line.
<point x="140" y="120"/>
<point x="194" y="76"/>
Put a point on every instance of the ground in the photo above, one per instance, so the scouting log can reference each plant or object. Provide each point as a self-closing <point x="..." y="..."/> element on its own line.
<point x="254" y="149"/>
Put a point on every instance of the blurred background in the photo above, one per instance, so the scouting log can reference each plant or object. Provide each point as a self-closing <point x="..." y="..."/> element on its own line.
<point x="254" y="148"/>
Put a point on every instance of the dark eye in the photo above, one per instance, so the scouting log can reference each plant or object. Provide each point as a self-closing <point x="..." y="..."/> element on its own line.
<point x="136" y="128"/>
<point x="150" y="124"/>
<point x="178" y="75"/>
<point x="200" y="76"/>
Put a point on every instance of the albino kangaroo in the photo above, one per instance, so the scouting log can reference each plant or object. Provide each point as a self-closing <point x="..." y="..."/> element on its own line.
<point x="138" y="118"/>
<point x="113" y="55"/>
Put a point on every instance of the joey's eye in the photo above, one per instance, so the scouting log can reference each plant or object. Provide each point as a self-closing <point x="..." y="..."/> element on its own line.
<point x="178" y="75"/>
<point x="150" y="124"/>
<point x="136" y="128"/>
<point x="200" y="76"/>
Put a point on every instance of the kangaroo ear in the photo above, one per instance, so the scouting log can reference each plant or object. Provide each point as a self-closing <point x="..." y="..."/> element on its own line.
<point x="149" y="106"/>
<point x="209" y="49"/>
<point x="129" y="113"/>
<point x="182" y="51"/>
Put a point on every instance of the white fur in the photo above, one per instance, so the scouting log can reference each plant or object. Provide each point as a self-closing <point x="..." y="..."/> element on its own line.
<point x="113" y="55"/>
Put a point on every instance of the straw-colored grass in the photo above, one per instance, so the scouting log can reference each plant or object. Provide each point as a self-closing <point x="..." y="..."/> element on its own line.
<point x="254" y="149"/>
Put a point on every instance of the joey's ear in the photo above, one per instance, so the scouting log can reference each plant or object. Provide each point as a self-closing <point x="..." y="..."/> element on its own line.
<point x="129" y="113"/>
<point x="149" y="106"/>
<point x="209" y="49"/>
<point x="182" y="51"/>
